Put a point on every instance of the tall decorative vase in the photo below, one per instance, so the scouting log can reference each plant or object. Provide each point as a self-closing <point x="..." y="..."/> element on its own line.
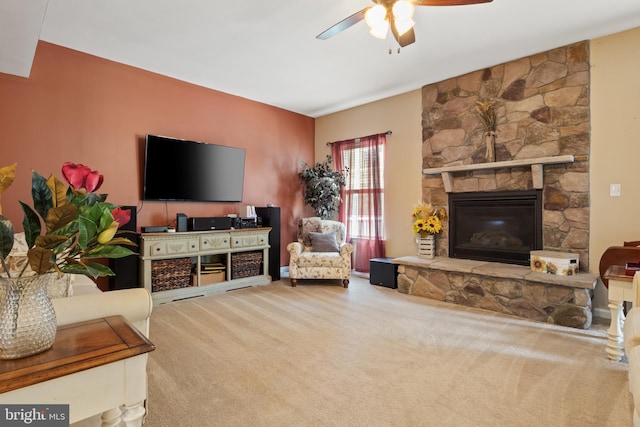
<point x="27" y="318"/>
<point x="427" y="246"/>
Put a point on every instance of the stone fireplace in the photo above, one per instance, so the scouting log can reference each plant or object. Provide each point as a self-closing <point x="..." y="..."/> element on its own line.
<point x="542" y="148"/>
<point x="542" y="106"/>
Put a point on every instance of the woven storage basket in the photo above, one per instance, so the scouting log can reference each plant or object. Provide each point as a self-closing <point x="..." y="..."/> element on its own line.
<point x="170" y="274"/>
<point x="246" y="264"/>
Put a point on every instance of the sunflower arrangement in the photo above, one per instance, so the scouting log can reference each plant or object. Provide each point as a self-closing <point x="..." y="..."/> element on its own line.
<point x="428" y="219"/>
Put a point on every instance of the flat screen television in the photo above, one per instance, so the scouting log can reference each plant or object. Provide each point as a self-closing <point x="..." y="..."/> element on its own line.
<point x="180" y="170"/>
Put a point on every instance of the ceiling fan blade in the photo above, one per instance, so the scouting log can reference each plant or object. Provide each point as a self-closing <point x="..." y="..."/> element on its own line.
<point x="405" y="39"/>
<point x="449" y="2"/>
<point x="342" y="25"/>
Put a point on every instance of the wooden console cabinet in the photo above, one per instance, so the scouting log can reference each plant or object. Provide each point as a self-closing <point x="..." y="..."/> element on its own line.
<point x="203" y="247"/>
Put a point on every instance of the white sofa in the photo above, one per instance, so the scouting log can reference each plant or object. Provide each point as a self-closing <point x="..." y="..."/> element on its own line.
<point x="127" y="380"/>
<point x="631" y="333"/>
<point x="76" y="298"/>
<point x="113" y="394"/>
<point x="88" y="302"/>
<point x="632" y="349"/>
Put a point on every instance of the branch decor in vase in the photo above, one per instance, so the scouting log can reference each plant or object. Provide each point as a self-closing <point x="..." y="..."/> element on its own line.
<point x="489" y="118"/>
<point x="66" y="231"/>
<point x="427" y="222"/>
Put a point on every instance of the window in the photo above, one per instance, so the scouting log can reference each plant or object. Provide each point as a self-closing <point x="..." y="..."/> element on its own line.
<point x="362" y="209"/>
<point x="361" y="190"/>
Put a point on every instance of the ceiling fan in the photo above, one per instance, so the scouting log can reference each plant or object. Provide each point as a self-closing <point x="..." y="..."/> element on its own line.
<point x="391" y="14"/>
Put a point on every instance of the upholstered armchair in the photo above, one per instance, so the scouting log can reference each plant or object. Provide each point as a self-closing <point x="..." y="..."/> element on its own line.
<point x="320" y="252"/>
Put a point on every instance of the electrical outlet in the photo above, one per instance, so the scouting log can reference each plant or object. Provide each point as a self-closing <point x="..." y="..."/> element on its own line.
<point x="615" y="190"/>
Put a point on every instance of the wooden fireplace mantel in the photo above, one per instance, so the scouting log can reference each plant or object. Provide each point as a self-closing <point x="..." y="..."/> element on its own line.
<point x="536" y="168"/>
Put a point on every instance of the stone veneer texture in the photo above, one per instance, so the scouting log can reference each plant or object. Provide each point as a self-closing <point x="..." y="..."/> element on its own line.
<point x="544" y="302"/>
<point x="542" y="105"/>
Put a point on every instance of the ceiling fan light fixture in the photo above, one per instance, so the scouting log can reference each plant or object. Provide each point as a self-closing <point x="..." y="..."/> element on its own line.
<point x="404" y="26"/>
<point x="375" y="16"/>
<point x="380" y="31"/>
<point x="391" y="14"/>
<point x="402" y="10"/>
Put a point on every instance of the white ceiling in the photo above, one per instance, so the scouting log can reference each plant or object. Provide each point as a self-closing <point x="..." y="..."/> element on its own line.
<point x="267" y="51"/>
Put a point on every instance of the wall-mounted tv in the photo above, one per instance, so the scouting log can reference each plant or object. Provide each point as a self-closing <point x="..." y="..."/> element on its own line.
<point x="176" y="169"/>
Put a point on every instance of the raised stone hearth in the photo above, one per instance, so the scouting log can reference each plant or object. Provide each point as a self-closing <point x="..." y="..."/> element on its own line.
<point x="503" y="288"/>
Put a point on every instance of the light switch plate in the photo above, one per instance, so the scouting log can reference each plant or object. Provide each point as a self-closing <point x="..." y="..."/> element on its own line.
<point x="615" y="190"/>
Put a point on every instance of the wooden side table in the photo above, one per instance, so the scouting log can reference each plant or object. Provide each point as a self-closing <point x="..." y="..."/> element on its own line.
<point x="620" y="290"/>
<point x="94" y="366"/>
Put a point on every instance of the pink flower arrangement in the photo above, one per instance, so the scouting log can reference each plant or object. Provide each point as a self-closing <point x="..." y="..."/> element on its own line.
<point x="81" y="177"/>
<point x="68" y="228"/>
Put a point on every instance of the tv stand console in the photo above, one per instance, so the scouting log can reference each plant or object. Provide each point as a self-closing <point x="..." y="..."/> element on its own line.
<point x="203" y="248"/>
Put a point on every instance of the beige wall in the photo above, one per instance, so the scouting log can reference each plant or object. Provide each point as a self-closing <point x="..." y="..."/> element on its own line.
<point x="615" y="150"/>
<point x="615" y="144"/>
<point x="402" y="115"/>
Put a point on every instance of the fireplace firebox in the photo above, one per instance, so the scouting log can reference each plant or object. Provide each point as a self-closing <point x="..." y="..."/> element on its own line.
<point x="497" y="226"/>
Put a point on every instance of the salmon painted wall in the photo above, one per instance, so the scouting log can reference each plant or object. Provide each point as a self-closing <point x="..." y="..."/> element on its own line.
<point x="80" y="108"/>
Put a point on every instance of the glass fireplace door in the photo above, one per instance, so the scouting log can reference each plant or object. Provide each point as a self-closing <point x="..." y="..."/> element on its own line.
<point x="495" y="226"/>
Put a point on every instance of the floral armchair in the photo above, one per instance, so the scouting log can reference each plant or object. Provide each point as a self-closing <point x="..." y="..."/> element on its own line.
<point x="320" y="252"/>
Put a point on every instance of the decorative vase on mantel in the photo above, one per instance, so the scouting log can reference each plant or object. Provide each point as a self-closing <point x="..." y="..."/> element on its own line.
<point x="490" y="142"/>
<point x="426" y="246"/>
<point x="27" y="317"/>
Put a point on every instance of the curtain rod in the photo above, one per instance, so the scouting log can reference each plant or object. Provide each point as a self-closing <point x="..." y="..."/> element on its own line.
<point x="356" y="139"/>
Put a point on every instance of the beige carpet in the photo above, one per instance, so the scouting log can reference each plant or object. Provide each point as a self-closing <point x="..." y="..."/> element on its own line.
<point x="321" y="355"/>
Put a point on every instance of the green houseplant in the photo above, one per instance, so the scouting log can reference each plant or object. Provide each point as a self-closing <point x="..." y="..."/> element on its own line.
<point x="322" y="186"/>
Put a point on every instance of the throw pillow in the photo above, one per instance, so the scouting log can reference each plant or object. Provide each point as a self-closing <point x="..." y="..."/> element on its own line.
<point x="323" y="242"/>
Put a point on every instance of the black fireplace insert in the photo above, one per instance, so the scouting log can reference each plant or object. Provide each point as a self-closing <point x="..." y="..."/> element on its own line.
<point x="497" y="226"/>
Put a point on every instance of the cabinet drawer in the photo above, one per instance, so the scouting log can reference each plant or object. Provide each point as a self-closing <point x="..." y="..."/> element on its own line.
<point x="173" y="247"/>
<point x="243" y="241"/>
<point x="214" y="242"/>
<point x="249" y="240"/>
